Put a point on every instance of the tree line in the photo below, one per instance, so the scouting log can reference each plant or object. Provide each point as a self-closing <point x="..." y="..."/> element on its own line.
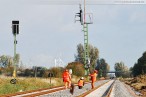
<point x="122" y="70"/>
<point x="77" y="66"/>
<point x="139" y="67"/>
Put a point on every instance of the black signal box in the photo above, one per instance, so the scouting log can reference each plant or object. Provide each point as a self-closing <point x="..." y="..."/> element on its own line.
<point x="15" y="22"/>
<point x="15" y="27"/>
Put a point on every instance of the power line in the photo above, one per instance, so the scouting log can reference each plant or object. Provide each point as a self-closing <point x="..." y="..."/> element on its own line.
<point x="88" y="2"/>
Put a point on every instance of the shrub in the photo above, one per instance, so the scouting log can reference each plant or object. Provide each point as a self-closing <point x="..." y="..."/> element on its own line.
<point x="77" y="68"/>
<point x="57" y="71"/>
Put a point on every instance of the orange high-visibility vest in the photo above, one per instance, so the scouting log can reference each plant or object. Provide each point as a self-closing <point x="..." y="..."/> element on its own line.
<point x="66" y="76"/>
<point x="93" y="77"/>
<point x="80" y="83"/>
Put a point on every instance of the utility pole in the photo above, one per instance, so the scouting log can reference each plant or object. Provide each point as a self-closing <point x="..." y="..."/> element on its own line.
<point x="15" y="31"/>
<point x="85" y="29"/>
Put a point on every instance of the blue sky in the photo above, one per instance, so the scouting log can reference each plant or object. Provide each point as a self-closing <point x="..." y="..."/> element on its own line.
<point x="48" y="32"/>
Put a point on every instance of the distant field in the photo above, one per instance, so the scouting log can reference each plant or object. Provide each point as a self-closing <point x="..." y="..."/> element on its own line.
<point x="26" y="84"/>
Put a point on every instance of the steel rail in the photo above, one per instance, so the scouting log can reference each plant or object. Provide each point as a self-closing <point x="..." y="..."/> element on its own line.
<point x="90" y="91"/>
<point x="109" y="90"/>
<point x="38" y="92"/>
<point x="48" y="92"/>
<point x="26" y="92"/>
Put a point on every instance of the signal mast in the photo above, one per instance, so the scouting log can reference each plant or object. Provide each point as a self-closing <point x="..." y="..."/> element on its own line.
<point x="83" y="17"/>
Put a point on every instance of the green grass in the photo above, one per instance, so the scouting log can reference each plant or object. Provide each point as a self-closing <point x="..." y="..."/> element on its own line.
<point x="25" y="84"/>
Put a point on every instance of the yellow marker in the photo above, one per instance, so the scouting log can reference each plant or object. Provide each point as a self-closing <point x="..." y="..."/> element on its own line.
<point x="14" y="73"/>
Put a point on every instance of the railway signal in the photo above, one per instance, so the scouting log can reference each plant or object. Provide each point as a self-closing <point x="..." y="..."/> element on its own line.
<point x="85" y="29"/>
<point x="15" y="31"/>
<point x="80" y="15"/>
<point x="15" y="27"/>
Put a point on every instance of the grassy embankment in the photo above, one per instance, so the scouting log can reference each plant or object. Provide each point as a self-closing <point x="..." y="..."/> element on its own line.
<point x="26" y="84"/>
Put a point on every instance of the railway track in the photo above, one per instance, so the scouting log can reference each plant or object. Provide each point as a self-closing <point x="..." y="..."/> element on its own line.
<point x="58" y="91"/>
<point x="33" y="92"/>
<point x="102" y="90"/>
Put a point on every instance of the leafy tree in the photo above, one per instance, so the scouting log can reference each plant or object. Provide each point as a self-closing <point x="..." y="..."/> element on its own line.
<point x="7" y="61"/>
<point x="80" y="54"/>
<point x="140" y="66"/>
<point x="93" y="55"/>
<point x="4" y="60"/>
<point x="38" y="71"/>
<point x="121" y="70"/>
<point x="28" y="72"/>
<point x="102" y="67"/>
<point x="77" y="68"/>
<point x="57" y="71"/>
<point x="100" y="73"/>
<point x="43" y="72"/>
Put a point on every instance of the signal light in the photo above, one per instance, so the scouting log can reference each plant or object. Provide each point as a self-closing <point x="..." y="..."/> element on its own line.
<point x="80" y="15"/>
<point x="15" y="27"/>
<point x="15" y="22"/>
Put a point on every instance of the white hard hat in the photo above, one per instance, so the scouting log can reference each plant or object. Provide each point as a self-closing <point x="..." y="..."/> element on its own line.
<point x="82" y="77"/>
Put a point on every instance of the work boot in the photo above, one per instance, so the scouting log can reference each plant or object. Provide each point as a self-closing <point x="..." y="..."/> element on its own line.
<point x="72" y="89"/>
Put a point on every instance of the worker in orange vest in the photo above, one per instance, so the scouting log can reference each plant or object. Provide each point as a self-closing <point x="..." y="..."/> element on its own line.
<point x="81" y="83"/>
<point x="93" y="78"/>
<point x="66" y="78"/>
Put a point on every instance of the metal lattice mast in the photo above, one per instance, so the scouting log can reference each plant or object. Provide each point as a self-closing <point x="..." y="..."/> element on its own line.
<point x="86" y="50"/>
<point x="85" y="29"/>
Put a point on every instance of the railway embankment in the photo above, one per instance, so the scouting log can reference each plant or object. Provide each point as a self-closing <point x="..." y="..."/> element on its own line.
<point x="138" y="84"/>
